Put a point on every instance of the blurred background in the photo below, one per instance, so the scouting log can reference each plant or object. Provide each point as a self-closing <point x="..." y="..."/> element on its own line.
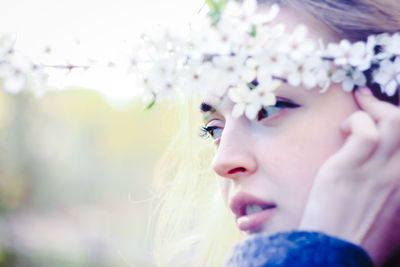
<point x="76" y="165"/>
<point x="75" y="179"/>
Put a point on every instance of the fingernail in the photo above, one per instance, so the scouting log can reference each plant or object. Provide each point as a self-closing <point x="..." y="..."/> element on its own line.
<point x="365" y="91"/>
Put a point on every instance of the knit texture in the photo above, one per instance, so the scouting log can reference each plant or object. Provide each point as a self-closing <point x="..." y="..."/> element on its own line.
<point x="300" y="249"/>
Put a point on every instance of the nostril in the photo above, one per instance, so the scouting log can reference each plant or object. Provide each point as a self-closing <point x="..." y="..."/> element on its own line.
<point x="235" y="170"/>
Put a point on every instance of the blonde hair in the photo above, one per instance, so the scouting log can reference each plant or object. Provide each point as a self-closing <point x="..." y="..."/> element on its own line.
<point x="192" y="226"/>
<point x="190" y="216"/>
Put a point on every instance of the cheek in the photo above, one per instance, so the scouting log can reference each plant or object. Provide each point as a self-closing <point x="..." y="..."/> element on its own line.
<point x="321" y="136"/>
<point x="295" y="156"/>
<point x="303" y="145"/>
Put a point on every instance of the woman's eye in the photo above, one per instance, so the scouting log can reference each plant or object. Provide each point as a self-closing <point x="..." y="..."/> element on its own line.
<point x="268" y="111"/>
<point x="213" y="131"/>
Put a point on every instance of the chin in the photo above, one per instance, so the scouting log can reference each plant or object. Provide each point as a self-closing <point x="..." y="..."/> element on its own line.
<point x="275" y="226"/>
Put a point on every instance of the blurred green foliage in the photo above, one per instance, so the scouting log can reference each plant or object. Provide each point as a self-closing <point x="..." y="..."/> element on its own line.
<point x="75" y="176"/>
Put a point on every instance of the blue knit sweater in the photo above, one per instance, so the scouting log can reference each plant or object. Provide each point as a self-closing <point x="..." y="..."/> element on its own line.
<point x="300" y="249"/>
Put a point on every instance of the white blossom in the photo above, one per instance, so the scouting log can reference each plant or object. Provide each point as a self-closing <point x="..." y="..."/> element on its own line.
<point x="14" y="72"/>
<point x="233" y="68"/>
<point x="218" y="81"/>
<point x="388" y="76"/>
<point x="195" y="77"/>
<point x="362" y="54"/>
<point x="265" y="41"/>
<point x="308" y="73"/>
<point x="275" y="64"/>
<point x="14" y="81"/>
<point x="162" y="78"/>
<point x="324" y="81"/>
<point x="250" y="101"/>
<point x="296" y="45"/>
<point x="243" y="55"/>
<point x="269" y="16"/>
<point x="357" y="55"/>
<point x="239" y="14"/>
<point x="390" y="45"/>
<point x="240" y="24"/>
<point x="267" y="85"/>
<point x="6" y="46"/>
<point x="235" y="25"/>
<point x="349" y="78"/>
<point x="207" y="42"/>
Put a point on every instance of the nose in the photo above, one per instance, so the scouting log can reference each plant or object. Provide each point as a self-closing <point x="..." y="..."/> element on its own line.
<point x="235" y="156"/>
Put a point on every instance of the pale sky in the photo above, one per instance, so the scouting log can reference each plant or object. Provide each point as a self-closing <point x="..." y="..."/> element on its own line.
<point x="103" y="26"/>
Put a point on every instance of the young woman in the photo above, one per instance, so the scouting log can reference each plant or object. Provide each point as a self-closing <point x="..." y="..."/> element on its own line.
<point x="320" y="162"/>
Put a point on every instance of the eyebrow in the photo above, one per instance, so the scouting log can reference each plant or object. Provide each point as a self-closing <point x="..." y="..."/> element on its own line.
<point x="204" y="107"/>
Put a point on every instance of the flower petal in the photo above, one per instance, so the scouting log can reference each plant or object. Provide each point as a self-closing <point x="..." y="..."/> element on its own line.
<point x="309" y="80"/>
<point x="381" y="77"/>
<point x="15" y="83"/>
<point x="338" y="76"/>
<point x="348" y="85"/>
<point x="359" y="79"/>
<point x="252" y="110"/>
<point x="294" y="79"/>
<point x="236" y="94"/>
<point x="238" y="110"/>
<point x="268" y="99"/>
<point x="391" y="88"/>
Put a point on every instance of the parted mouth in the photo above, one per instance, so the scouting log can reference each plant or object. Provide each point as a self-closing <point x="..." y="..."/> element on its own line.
<point x="243" y="204"/>
<point x="254" y="208"/>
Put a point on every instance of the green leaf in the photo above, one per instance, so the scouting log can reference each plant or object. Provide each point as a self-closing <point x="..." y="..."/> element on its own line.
<point x="215" y="12"/>
<point x="149" y="106"/>
<point x="251" y="86"/>
<point x="210" y="4"/>
<point x="253" y="30"/>
<point x="215" y="5"/>
<point x="221" y="4"/>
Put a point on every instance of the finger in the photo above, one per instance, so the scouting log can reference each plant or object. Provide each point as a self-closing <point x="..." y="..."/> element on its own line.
<point x="390" y="136"/>
<point x="387" y="116"/>
<point x="362" y="140"/>
<point x="377" y="109"/>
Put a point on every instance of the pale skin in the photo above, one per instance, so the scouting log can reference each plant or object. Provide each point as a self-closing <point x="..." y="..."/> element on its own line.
<point x="364" y="177"/>
<point x="330" y="165"/>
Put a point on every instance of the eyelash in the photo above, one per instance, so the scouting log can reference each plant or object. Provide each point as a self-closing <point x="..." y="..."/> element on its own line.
<point x="280" y="104"/>
<point x="209" y="131"/>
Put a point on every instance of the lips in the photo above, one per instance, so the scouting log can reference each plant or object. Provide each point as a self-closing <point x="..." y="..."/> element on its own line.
<point x="251" y="212"/>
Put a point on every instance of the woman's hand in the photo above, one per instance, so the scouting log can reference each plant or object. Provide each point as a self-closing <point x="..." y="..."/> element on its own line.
<point x="356" y="194"/>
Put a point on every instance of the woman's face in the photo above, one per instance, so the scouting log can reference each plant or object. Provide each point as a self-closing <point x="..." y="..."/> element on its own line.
<point x="267" y="166"/>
